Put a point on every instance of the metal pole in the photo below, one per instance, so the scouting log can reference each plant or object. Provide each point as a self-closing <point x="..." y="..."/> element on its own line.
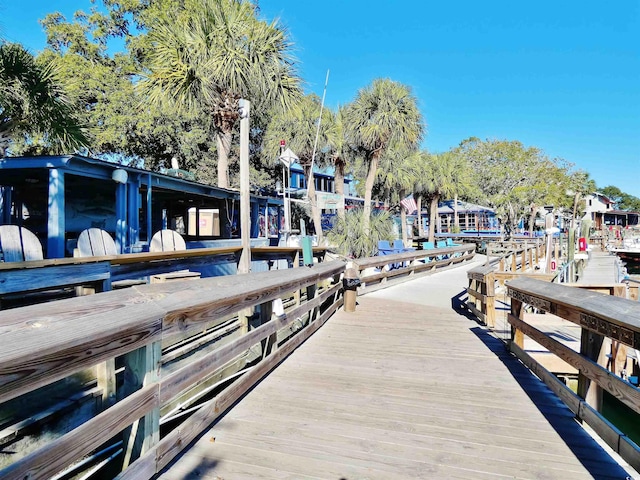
<point x="244" y="265"/>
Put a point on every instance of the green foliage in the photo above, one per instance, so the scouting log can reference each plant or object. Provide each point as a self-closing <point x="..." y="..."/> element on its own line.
<point x="121" y="122"/>
<point x="623" y="200"/>
<point x="208" y="54"/>
<point x="383" y="115"/>
<point x="512" y="178"/>
<point x="354" y="238"/>
<point x="34" y="109"/>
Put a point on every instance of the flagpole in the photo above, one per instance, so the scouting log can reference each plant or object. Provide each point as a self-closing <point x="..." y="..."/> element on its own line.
<point x="315" y="143"/>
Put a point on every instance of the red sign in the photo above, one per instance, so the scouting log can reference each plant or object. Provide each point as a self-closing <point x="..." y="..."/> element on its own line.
<point x="282" y="143"/>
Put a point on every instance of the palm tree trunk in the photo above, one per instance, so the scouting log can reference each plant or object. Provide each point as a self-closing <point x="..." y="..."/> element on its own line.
<point x="403" y="220"/>
<point x="339" y="183"/>
<point x="368" y="190"/>
<point x="223" y="144"/>
<point x="420" y="229"/>
<point x="456" y="221"/>
<point x="433" y="215"/>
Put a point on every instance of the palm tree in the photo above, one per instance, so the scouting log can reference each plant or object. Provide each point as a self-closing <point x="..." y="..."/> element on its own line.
<point x="298" y="127"/>
<point x="383" y="114"/>
<point x="398" y="171"/>
<point x="352" y="240"/>
<point x="210" y="54"/>
<point x="338" y="150"/>
<point x="435" y="183"/>
<point x="462" y="183"/>
<point x="33" y="103"/>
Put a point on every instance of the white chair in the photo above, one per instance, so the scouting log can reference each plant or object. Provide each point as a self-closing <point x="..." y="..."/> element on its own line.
<point x="19" y="244"/>
<point x="94" y="242"/>
<point x="167" y="241"/>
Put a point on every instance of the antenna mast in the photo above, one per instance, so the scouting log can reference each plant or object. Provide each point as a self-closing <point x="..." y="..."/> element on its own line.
<point x="315" y="143"/>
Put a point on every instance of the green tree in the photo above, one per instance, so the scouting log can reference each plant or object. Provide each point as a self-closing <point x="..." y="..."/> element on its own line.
<point x="580" y="184"/>
<point x="353" y="239"/>
<point x="121" y="122"/>
<point x="209" y="54"/>
<point x="436" y="180"/>
<point x="507" y="174"/>
<point x="623" y="200"/>
<point x="33" y="104"/>
<point x="383" y="114"/>
<point x="338" y="150"/>
<point x="298" y="127"/>
<point x="397" y="175"/>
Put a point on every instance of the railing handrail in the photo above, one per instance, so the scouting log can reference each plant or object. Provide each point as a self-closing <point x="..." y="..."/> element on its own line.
<point x="96" y="327"/>
<point x="44" y="343"/>
<point x="378" y="261"/>
<point x="584" y="306"/>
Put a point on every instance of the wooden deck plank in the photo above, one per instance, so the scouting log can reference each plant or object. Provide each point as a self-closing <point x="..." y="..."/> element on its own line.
<point x="398" y="391"/>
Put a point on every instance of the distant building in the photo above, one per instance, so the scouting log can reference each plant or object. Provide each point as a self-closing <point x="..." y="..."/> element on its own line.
<point x="603" y="213"/>
<point x="471" y="217"/>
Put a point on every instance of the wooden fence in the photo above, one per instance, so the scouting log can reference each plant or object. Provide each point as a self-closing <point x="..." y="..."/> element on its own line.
<point x="600" y="317"/>
<point x="46" y="343"/>
<point x="510" y="260"/>
<point x="379" y="272"/>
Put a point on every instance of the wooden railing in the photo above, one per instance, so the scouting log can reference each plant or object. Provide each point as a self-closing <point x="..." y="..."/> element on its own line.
<point x="378" y="272"/>
<point x="515" y="255"/>
<point x="507" y="261"/>
<point x="42" y="344"/>
<point x="100" y="272"/>
<point x="600" y="317"/>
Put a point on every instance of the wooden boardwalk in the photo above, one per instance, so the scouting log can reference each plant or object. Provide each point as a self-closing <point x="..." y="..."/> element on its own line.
<point x="406" y="387"/>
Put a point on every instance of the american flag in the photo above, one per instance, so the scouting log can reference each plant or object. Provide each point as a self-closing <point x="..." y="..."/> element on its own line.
<point x="409" y="204"/>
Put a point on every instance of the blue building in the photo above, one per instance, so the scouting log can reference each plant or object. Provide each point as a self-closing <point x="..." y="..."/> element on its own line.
<point x="57" y="197"/>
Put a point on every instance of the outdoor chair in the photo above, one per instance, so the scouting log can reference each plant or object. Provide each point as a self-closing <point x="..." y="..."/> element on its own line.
<point x="170" y="241"/>
<point x="398" y="246"/>
<point x="94" y="242"/>
<point x="18" y="244"/>
<point x="384" y="248"/>
<point x="167" y="241"/>
<point x="428" y="246"/>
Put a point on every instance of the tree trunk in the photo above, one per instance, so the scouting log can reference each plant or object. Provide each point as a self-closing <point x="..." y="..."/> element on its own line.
<point x="456" y="218"/>
<point x="339" y="183"/>
<point x="403" y="221"/>
<point x="368" y="190"/>
<point x="223" y="143"/>
<point x="532" y="220"/>
<point x="315" y="211"/>
<point x="420" y="229"/>
<point x="576" y="200"/>
<point x="433" y="215"/>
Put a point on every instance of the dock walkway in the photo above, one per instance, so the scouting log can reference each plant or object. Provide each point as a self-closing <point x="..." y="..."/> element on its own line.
<point x="406" y="387"/>
<point x="600" y="269"/>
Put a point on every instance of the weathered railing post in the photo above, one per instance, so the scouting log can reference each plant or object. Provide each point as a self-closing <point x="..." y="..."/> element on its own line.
<point x="351" y="284"/>
<point x="141" y="368"/>
<point x="490" y="287"/>
<point x="517" y="336"/>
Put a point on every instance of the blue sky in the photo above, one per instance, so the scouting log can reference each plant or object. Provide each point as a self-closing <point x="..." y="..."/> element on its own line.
<point x="561" y="76"/>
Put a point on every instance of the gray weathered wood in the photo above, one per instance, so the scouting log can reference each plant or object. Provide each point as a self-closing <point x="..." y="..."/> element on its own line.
<point x="94" y="242"/>
<point x="167" y="241"/>
<point x="369" y="396"/>
<point x="19" y="244"/>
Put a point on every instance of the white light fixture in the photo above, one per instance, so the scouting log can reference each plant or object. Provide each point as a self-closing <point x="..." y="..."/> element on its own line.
<point x="119" y="176"/>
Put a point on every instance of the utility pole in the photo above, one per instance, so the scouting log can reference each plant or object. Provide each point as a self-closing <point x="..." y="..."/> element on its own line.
<point x="244" y="266"/>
